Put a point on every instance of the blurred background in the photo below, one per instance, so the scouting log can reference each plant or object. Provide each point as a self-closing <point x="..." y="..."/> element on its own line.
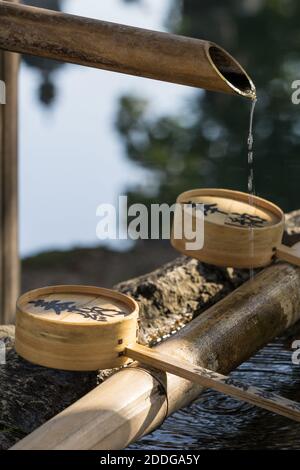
<point x="88" y="136"/>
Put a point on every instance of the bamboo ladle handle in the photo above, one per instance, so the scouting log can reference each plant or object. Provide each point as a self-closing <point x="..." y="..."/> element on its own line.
<point x="208" y="378"/>
<point x="289" y="254"/>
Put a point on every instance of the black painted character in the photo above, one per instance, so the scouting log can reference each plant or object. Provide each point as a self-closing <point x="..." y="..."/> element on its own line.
<point x="207" y="208"/>
<point x="246" y="220"/>
<point x="93" y="313"/>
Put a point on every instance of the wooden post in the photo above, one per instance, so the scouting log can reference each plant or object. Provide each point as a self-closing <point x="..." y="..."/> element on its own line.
<point x="9" y="256"/>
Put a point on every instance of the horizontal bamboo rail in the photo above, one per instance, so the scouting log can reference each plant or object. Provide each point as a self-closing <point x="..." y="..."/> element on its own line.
<point x="135" y="401"/>
<point x="120" y="48"/>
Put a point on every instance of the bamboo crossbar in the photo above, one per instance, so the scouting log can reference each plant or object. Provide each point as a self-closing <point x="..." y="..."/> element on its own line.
<point x="120" y="48"/>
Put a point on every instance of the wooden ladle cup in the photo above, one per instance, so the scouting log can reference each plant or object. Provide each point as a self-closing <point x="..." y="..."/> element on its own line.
<point x="240" y="231"/>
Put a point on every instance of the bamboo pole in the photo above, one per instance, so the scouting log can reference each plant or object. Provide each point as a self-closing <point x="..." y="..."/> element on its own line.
<point x="121" y="48"/>
<point x="135" y="400"/>
<point x="9" y="256"/>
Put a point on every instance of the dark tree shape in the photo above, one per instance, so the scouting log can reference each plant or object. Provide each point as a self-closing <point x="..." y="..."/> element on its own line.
<point x="205" y="146"/>
<point x="46" y="67"/>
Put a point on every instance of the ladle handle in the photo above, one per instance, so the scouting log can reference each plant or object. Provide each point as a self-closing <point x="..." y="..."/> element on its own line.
<point x="289" y="254"/>
<point x="208" y="378"/>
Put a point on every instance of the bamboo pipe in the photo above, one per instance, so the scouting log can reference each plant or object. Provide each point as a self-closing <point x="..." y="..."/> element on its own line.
<point x="135" y="401"/>
<point x="120" y="48"/>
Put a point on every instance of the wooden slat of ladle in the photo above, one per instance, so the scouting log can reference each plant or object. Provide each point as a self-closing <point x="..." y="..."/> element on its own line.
<point x="208" y="378"/>
<point x="289" y="254"/>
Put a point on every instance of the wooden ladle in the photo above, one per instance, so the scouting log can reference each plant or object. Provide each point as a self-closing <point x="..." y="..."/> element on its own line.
<point x="240" y="231"/>
<point x="89" y="328"/>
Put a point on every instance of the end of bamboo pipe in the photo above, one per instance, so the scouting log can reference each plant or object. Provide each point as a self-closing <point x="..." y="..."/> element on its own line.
<point x="230" y="71"/>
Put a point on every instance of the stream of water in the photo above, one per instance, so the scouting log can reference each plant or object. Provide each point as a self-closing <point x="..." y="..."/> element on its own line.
<point x="251" y="187"/>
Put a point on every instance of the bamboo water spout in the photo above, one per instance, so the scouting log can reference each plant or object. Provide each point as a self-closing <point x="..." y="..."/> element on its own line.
<point x="120" y="48"/>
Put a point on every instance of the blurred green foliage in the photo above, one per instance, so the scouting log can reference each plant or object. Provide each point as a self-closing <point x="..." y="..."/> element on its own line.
<point x="205" y="146"/>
